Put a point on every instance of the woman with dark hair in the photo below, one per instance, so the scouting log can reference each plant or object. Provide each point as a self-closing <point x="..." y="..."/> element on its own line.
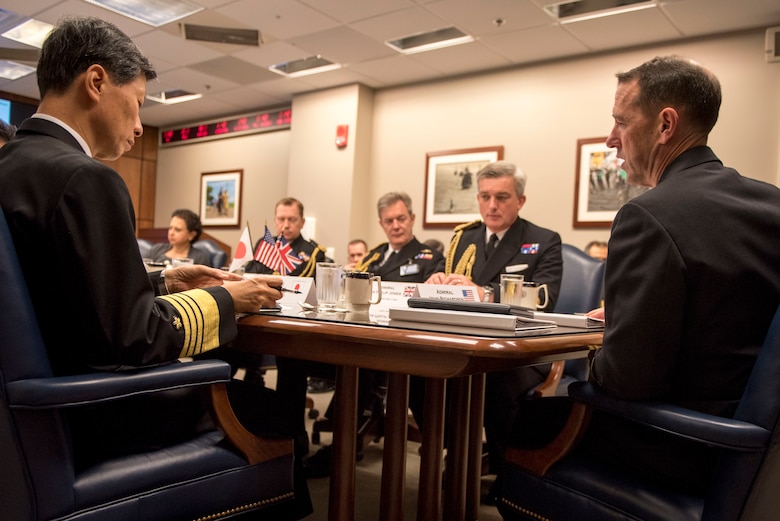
<point x="185" y="228"/>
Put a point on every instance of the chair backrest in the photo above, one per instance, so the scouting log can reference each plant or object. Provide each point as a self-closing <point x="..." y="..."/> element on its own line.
<point x="217" y="255"/>
<point x="144" y="247"/>
<point x="582" y="285"/>
<point x="23" y="355"/>
<point x="753" y="476"/>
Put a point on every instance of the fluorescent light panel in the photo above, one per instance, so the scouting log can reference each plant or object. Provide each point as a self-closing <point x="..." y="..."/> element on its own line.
<point x="30" y="32"/>
<point x="423" y="42"/>
<point x="13" y="71"/>
<point x="151" y="12"/>
<point x="304" y="67"/>
<point x="581" y="10"/>
<point x="171" y="97"/>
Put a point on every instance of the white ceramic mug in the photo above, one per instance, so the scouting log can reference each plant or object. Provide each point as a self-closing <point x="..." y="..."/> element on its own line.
<point x="531" y="298"/>
<point x="328" y="282"/>
<point x="512" y="289"/>
<point x="358" y="289"/>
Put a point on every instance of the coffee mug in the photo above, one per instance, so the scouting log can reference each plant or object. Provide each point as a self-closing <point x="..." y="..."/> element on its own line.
<point x="530" y="297"/>
<point x="512" y="289"/>
<point x="358" y="288"/>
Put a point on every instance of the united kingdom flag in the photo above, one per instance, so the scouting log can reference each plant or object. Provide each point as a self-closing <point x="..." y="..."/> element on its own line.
<point x="288" y="261"/>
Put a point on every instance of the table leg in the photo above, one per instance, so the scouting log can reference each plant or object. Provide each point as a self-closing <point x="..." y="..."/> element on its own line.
<point x="474" y="474"/>
<point x="341" y="506"/>
<point x="457" y="450"/>
<point x="391" y="503"/>
<point x="429" y="494"/>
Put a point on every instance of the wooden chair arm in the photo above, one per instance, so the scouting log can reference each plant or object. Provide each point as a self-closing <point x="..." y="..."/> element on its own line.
<point x="540" y="460"/>
<point x="254" y="448"/>
<point x="550" y="386"/>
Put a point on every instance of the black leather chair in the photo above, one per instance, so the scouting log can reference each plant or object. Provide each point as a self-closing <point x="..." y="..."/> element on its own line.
<point x="217" y="255"/>
<point x="582" y="289"/>
<point x="206" y="477"/>
<point x="574" y="486"/>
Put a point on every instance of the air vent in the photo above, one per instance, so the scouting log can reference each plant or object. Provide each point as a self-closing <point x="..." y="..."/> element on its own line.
<point x="205" y="33"/>
<point x="304" y="66"/>
<point x="422" y="42"/>
<point x="579" y="10"/>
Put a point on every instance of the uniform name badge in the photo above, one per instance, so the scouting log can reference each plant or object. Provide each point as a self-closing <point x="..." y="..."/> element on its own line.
<point x="410" y="269"/>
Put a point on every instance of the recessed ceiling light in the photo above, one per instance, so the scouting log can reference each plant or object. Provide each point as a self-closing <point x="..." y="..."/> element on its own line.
<point x="151" y="12"/>
<point x="170" y="97"/>
<point x="422" y="42"/>
<point x="30" y="32"/>
<point x="580" y="10"/>
<point x="304" y="67"/>
<point x="13" y="71"/>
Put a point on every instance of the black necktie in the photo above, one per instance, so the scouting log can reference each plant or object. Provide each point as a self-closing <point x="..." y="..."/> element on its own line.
<point x="391" y="257"/>
<point x="491" y="245"/>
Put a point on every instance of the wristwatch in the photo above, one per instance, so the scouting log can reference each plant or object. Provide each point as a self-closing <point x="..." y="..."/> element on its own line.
<point x="488" y="289"/>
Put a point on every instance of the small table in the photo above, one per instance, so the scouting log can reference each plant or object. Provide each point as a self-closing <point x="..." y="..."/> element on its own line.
<point x="331" y="339"/>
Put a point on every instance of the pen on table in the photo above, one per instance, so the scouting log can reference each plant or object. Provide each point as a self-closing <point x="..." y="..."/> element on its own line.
<point x="286" y="290"/>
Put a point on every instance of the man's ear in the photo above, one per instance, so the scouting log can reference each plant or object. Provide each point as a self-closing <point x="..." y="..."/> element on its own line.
<point x="668" y="121"/>
<point x="95" y="79"/>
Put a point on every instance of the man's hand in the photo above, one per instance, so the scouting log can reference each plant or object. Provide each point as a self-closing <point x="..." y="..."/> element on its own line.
<point x="252" y="294"/>
<point x="195" y="276"/>
<point x="596" y="313"/>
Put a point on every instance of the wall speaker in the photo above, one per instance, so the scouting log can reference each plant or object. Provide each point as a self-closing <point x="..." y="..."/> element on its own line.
<point x="773" y="44"/>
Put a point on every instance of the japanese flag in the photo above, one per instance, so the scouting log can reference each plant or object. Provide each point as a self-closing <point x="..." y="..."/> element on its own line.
<point x="243" y="251"/>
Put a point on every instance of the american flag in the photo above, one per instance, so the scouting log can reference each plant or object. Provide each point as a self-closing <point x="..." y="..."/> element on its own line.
<point x="267" y="253"/>
<point x="468" y="294"/>
<point x="288" y="261"/>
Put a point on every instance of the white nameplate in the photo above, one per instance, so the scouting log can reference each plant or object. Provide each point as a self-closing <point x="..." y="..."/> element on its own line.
<point x="394" y="294"/>
<point x="302" y="291"/>
<point x="449" y="292"/>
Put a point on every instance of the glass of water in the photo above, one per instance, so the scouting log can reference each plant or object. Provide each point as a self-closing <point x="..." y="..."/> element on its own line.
<point x="328" y="282"/>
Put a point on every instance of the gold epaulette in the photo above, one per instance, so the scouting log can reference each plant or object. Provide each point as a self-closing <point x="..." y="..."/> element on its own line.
<point x="311" y="265"/>
<point x="366" y="262"/>
<point x="466" y="226"/>
<point x="467" y="259"/>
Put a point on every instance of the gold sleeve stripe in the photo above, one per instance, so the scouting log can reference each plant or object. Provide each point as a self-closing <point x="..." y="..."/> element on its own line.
<point x="200" y="318"/>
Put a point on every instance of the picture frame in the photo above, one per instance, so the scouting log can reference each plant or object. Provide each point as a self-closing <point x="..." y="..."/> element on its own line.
<point x="451" y="185"/>
<point x="600" y="185"/>
<point x="220" y="198"/>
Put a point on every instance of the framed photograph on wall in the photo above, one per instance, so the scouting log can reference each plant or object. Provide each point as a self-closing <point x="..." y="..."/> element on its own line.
<point x="451" y="185"/>
<point x="600" y="186"/>
<point x="220" y="198"/>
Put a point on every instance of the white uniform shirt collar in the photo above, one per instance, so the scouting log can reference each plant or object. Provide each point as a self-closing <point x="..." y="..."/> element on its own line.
<point x="72" y="132"/>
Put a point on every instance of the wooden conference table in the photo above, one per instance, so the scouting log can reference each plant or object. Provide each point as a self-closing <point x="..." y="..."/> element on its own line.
<point x="349" y="344"/>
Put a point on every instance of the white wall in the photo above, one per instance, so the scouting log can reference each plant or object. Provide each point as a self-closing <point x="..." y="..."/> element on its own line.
<point x="537" y="113"/>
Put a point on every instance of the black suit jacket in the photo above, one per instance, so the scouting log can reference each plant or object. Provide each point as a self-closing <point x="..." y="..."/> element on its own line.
<point x="692" y="283"/>
<point x="73" y="225"/>
<point x="525" y="249"/>
<point x="415" y="262"/>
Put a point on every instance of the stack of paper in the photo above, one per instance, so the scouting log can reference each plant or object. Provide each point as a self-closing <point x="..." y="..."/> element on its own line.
<point x="570" y="320"/>
<point x="465" y="322"/>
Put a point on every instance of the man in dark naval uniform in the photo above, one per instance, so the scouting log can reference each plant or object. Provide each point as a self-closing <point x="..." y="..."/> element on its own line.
<point x="479" y="253"/>
<point x="401" y="259"/>
<point x="289" y="220"/>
